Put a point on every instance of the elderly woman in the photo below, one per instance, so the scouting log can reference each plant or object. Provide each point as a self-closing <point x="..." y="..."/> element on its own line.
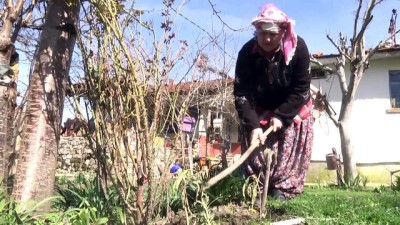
<point x="272" y="88"/>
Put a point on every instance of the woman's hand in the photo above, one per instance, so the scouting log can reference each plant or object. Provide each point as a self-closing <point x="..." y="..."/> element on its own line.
<point x="276" y="124"/>
<point x="257" y="134"/>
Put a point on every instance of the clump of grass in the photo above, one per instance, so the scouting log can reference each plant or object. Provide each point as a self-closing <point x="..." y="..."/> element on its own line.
<point x="229" y="189"/>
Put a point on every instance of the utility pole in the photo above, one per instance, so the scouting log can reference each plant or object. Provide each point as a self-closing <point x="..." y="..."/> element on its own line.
<point x="392" y="27"/>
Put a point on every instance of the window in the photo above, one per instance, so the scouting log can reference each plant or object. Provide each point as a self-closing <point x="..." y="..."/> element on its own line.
<point x="318" y="73"/>
<point x="394" y="88"/>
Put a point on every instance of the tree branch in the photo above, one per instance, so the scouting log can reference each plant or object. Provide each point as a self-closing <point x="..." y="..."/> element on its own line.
<point x="367" y="20"/>
<point x="22" y="22"/>
<point x="18" y="8"/>
<point x="356" y="21"/>
<point x="363" y="28"/>
<point x="9" y="3"/>
<point x="206" y="32"/>
<point x="11" y="15"/>
<point x="342" y="74"/>
<point x="338" y="48"/>
<point x="323" y="67"/>
<point x="222" y="21"/>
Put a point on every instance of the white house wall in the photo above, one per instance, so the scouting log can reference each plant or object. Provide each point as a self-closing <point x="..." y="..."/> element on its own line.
<point x="375" y="133"/>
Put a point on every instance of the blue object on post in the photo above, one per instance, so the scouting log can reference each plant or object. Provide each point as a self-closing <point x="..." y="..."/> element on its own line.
<point x="175" y="168"/>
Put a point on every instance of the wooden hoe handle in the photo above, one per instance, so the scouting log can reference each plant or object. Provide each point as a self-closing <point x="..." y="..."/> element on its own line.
<point x="236" y="164"/>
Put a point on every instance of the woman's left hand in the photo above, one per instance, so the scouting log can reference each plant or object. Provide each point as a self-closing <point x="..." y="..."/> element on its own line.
<point x="276" y="124"/>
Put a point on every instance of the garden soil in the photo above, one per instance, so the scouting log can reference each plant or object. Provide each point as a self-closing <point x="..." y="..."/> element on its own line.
<point x="233" y="215"/>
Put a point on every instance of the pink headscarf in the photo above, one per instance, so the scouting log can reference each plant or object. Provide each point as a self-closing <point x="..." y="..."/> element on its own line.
<point x="271" y="14"/>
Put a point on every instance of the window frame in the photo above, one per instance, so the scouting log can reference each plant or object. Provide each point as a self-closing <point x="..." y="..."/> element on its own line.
<point x="394" y="88"/>
<point x="318" y="73"/>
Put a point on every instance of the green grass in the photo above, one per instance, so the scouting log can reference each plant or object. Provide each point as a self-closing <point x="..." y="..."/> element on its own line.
<point x="318" y="205"/>
<point x="335" y="206"/>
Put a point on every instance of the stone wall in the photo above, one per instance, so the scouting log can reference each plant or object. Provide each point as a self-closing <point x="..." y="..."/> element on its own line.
<point x="74" y="156"/>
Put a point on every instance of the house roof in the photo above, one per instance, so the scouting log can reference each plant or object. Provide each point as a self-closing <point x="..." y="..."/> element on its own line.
<point x="209" y="85"/>
<point x="384" y="52"/>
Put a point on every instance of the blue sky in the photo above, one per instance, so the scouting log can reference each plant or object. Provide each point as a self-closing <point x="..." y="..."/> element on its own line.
<point x="314" y="19"/>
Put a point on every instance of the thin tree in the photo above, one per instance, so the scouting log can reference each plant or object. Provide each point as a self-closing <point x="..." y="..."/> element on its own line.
<point x="37" y="159"/>
<point x="358" y="56"/>
<point x="9" y="16"/>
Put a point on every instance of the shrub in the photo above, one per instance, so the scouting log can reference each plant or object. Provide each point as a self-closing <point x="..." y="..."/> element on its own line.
<point x="83" y="200"/>
<point x="396" y="185"/>
<point x="12" y="212"/>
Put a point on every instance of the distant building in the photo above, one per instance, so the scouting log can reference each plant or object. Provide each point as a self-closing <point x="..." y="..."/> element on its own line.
<point x="375" y="119"/>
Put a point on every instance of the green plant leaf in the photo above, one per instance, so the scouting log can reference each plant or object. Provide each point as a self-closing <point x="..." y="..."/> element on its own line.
<point x="3" y="204"/>
<point x="102" y="221"/>
<point x="182" y="176"/>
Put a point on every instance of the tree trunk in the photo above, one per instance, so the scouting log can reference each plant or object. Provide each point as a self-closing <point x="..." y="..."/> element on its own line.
<point x="7" y="89"/>
<point x="37" y="160"/>
<point x="350" y="168"/>
<point x="7" y="106"/>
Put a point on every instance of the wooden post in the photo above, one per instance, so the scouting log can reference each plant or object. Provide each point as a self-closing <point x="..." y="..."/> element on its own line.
<point x="268" y="154"/>
<point x="183" y="146"/>
<point x="339" y="172"/>
<point x="190" y="153"/>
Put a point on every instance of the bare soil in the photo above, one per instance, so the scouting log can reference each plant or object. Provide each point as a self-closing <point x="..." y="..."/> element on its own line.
<point x="235" y="215"/>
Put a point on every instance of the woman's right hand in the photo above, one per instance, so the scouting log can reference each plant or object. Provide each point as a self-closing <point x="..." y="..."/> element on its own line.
<point x="276" y="124"/>
<point x="257" y="135"/>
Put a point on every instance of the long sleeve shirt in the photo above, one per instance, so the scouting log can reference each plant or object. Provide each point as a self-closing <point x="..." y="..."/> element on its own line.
<point x="271" y="85"/>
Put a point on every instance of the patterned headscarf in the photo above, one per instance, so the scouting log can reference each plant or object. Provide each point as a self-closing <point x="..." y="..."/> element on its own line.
<point x="271" y="14"/>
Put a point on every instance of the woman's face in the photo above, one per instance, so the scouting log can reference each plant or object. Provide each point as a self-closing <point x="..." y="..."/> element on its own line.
<point x="268" y="40"/>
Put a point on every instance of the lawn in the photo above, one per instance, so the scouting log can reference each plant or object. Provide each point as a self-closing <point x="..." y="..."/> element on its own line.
<point x="322" y="206"/>
<point x="336" y="206"/>
<point x="225" y="204"/>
